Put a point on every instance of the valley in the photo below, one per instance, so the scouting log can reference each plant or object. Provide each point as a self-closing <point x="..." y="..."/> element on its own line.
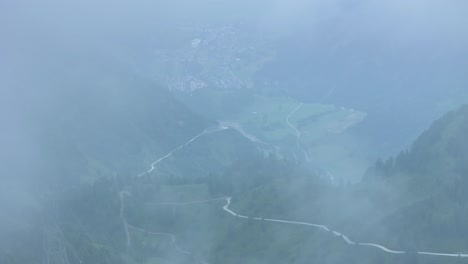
<point x="325" y="228"/>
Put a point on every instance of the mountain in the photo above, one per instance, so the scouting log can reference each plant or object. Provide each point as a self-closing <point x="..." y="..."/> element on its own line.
<point x="88" y="193"/>
<point x="90" y="123"/>
<point x="110" y="152"/>
<point x="374" y="70"/>
<point x="430" y="179"/>
<point x="414" y="202"/>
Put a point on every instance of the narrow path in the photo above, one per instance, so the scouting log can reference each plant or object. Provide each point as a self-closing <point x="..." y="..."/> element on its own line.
<point x="153" y="167"/>
<point x="171" y="236"/>
<point x="298" y="133"/>
<point x="292" y="113"/>
<point x="238" y="127"/>
<point x="232" y="213"/>
<point x="189" y="203"/>
<point x="127" y="232"/>
<point x="322" y="227"/>
<point x="204" y="132"/>
<point x="54" y="245"/>
<point x="122" y="216"/>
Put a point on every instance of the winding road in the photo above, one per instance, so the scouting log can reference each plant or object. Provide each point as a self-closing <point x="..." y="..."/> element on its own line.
<point x="298" y="133"/>
<point x="238" y="127"/>
<point x="325" y="228"/>
<point x="226" y="208"/>
<point x="204" y="132"/>
<point x="122" y="216"/>
<point x="169" y="235"/>
<point x="153" y="167"/>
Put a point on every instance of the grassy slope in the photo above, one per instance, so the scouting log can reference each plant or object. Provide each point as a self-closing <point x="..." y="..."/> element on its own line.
<point x="265" y="118"/>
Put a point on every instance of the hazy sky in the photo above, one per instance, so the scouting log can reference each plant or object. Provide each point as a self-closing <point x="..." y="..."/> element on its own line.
<point x="40" y="39"/>
<point x="47" y="26"/>
<point x="43" y="41"/>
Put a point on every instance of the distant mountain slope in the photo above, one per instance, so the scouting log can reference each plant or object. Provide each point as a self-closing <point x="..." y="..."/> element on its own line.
<point x="111" y="123"/>
<point x="416" y="65"/>
<point x="439" y="154"/>
<point x="413" y="203"/>
<point x="106" y="122"/>
<point x="441" y="151"/>
<point x="86" y="123"/>
<point x="430" y="182"/>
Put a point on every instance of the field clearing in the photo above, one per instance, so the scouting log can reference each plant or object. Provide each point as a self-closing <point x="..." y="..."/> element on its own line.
<point x="266" y="117"/>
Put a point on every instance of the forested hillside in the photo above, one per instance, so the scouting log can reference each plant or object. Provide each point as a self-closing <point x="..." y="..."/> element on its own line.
<point x="234" y="131"/>
<point x="430" y="181"/>
<point x="400" y="206"/>
<point x="128" y="143"/>
<point x="96" y="124"/>
<point x="413" y="203"/>
<point x="169" y="216"/>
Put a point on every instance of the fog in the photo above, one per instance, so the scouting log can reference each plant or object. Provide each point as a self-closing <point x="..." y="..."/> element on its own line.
<point x="93" y="90"/>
